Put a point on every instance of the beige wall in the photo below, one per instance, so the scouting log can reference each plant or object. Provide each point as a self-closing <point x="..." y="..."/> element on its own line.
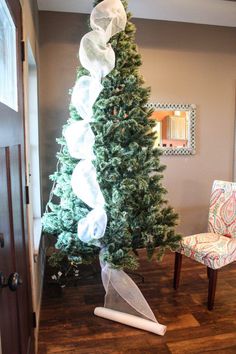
<point x="186" y="63"/>
<point x="183" y="63"/>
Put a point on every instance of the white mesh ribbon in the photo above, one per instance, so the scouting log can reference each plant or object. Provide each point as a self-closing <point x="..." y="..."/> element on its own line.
<point x="84" y="95"/>
<point x="80" y="140"/>
<point x="124" y="301"/>
<point x="85" y="186"/>
<point x="109" y="16"/>
<point x="96" y="55"/>
<point x="120" y="286"/>
<point x="93" y="226"/>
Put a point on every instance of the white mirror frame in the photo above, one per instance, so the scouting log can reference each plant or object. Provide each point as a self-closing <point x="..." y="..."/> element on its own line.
<point x="190" y="149"/>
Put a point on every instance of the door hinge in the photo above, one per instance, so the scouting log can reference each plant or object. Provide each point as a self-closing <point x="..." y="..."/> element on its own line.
<point x="27" y="199"/>
<point x="22" y="51"/>
<point x="34" y="320"/>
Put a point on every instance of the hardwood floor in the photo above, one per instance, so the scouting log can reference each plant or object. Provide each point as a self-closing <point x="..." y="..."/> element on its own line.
<point x="68" y="325"/>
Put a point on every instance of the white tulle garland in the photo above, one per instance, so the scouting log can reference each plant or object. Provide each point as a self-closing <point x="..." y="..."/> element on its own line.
<point x="85" y="93"/>
<point x="97" y="56"/>
<point x="93" y="226"/>
<point x="85" y="186"/>
<point x="80" y="140"/>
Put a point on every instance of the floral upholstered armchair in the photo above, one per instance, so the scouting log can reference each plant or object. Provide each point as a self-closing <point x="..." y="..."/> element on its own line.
<point x="217" y="247"/>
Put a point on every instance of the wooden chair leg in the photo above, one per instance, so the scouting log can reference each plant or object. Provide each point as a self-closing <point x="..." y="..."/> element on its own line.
<point x="178" y="263"/>
<point x="208" y="272"/>
<point x="212" y="274"/>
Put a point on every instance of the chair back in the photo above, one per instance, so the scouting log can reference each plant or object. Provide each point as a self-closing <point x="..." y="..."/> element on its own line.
<point x="222" y="213"/>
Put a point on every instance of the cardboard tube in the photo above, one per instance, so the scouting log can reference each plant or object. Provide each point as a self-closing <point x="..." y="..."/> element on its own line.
<point x="130" y="320"/>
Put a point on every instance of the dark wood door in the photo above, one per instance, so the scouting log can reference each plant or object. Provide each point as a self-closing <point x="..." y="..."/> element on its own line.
<point x="15" y="306"/>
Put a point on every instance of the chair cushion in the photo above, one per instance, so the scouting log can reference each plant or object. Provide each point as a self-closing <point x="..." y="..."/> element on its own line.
<point x="213" y="250"/>
<point x="222" y="213"/>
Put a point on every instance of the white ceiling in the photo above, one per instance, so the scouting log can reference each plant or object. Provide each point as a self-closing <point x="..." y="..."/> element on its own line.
<point x="212" y="12"/>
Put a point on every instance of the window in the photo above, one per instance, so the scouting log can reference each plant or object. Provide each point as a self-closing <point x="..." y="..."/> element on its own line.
<point x="177" y="128"/>
<point x="8" y="68"/>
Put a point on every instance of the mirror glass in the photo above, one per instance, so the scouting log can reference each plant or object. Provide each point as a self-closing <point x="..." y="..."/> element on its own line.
<point x="174" y="128"/>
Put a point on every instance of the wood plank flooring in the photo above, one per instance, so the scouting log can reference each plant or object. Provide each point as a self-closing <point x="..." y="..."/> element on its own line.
<point x="68" y="325"/>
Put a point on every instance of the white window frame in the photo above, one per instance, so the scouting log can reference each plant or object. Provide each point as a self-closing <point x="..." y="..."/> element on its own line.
<point x="33" y="163"/>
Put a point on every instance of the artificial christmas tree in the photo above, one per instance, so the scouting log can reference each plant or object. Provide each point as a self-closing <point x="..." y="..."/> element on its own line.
<point x="107" y="198"/>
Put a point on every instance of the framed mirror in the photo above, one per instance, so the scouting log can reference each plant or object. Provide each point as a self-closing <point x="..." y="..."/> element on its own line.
<point x="175" y="127"/>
